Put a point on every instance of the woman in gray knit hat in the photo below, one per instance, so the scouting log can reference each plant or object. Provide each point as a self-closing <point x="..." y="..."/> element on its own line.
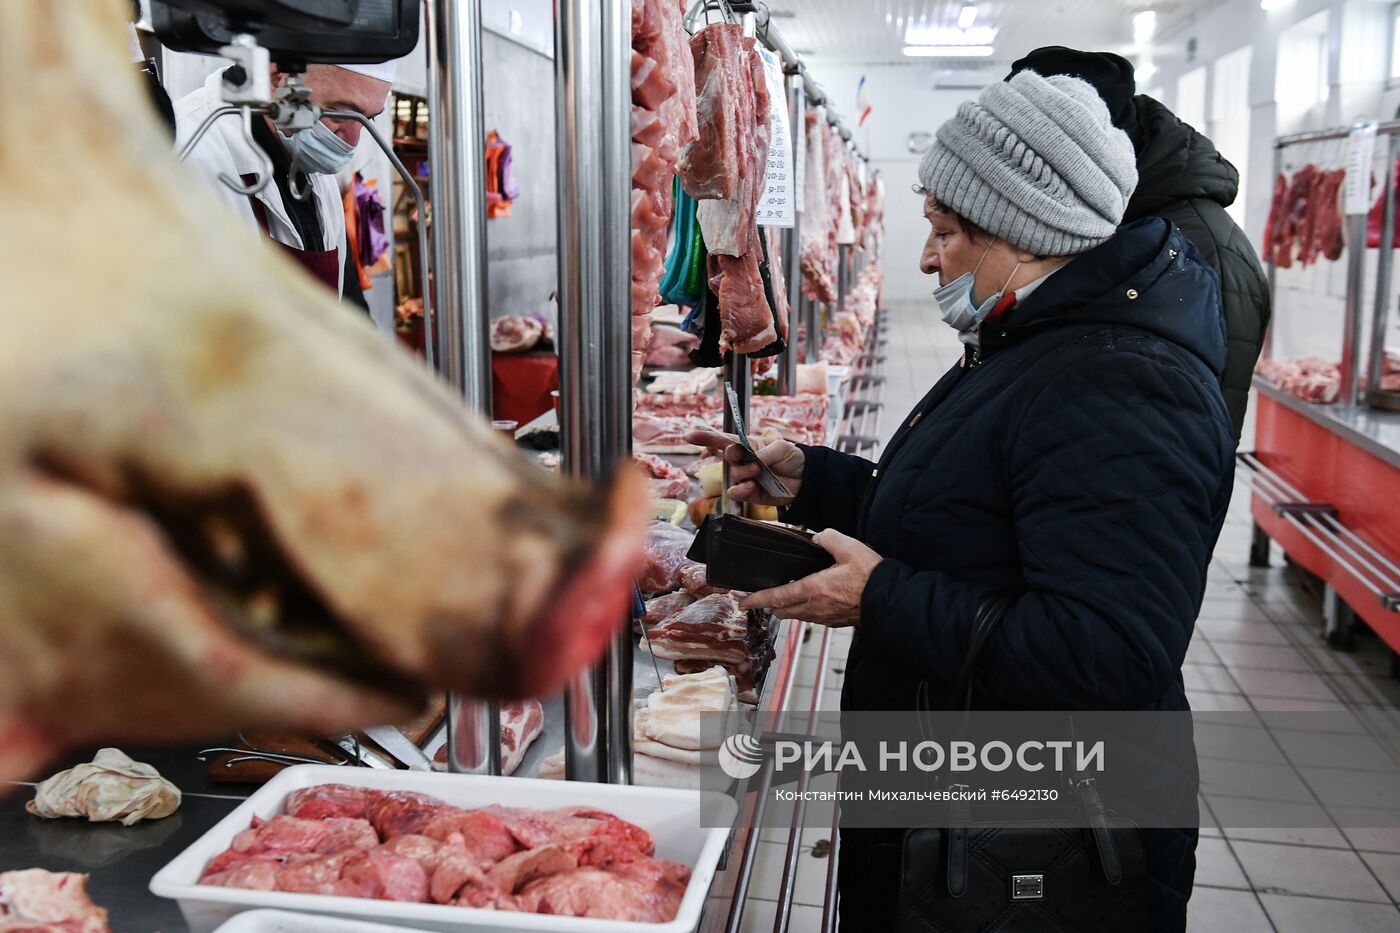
<point x="1073" y="468"/>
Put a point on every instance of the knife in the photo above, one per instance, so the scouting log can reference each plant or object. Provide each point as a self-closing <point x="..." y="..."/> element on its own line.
<point x="397" y="744"/>
<point x="350" y="748"/>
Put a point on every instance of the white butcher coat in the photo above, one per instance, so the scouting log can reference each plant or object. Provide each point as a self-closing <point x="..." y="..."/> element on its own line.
<point x="223" y="150"/>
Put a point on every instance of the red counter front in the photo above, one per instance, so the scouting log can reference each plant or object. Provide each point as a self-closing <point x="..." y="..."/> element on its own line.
<point x="1344" y="458"/>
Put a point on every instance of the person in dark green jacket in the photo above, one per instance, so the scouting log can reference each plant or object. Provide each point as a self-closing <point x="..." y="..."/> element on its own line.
<point x="1182" y="177"/>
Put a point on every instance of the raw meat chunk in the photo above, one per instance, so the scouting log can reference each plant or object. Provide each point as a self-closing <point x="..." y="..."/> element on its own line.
<point x="593" y="893"/>
<point x="666" y="546"/>
<point x="34" y="900"/>
<point x="328" y="800"/>
<point x="385" y="876"/>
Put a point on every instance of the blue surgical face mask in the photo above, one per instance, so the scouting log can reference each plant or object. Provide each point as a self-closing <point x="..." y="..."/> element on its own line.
<point x="956" y="304"/>
<point x="318" y="151"/>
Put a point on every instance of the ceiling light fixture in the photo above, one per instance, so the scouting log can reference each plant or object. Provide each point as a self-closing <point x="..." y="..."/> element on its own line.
<point x="949" y="35"/>
<point x="1144" y="25"/>
<point x="948" y="51"/>
<point x="968" y="16"/>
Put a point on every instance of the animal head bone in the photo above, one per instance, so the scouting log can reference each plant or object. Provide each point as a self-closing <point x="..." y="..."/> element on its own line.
<point x="224" y="501"/>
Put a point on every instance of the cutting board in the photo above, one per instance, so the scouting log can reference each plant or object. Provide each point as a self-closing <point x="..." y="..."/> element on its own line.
<point x="260" y="772"/>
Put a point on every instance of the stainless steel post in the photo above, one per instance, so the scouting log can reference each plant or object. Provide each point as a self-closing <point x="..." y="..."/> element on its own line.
<point x="1271" y="268"/>
<point x="737" y="371"/>
<point x="617" y="335"/>
<point x="812" y="318"/>
<point x="592" y="116"/>
<point x="843" y="254"/>
<point x="1385" y="260"/>
<point x="456" y="149"/>
<point x="792" y="246"/>
<point x="1351" y="327"/>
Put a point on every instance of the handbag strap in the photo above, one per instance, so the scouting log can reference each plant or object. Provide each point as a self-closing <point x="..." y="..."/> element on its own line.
<point x="989" y="616"/>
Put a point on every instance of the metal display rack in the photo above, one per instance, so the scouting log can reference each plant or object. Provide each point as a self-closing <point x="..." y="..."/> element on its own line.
<point x="1316" y="469"/>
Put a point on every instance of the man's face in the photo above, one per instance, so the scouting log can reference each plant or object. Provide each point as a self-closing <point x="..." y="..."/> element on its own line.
<point x="335" y="88"/>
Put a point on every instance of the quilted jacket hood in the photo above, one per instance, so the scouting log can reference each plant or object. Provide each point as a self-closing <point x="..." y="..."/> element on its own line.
<point x="1176" y="163"/>
<point x="1148" y="277"/>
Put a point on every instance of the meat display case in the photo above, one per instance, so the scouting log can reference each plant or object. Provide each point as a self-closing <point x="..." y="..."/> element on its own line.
<point x="1317" y="471"/>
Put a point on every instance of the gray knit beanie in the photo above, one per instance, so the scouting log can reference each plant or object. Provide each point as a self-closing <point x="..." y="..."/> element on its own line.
<point x="1037" y="162"/>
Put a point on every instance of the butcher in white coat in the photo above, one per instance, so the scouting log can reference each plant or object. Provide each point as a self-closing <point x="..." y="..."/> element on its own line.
<point x="311" y="231"/>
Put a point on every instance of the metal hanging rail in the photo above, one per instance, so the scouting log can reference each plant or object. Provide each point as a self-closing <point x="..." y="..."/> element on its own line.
<point x="1351" y="363"/>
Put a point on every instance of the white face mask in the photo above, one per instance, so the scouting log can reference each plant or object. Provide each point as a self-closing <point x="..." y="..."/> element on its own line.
<point x="956" y="306"/>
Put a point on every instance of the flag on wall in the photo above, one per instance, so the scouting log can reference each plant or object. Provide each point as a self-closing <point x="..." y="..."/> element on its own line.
<point x="862" y="102"/>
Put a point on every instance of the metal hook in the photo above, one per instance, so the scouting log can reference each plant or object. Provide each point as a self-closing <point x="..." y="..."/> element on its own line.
<point x="296" y="183"/>
<point x="264" y="160"/>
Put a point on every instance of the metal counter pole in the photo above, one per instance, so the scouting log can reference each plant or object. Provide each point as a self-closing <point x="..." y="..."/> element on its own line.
<point x="1351" y="328"/>
<point x="843" y="254"/>
<point x="594" y="328"/>
<point x="1384" y="262"/>
<point x="783" y="916"/>
<point x="617" y="336"/>
<point x="456" y="150"/>
<point x="1271" y="268"/>
<point x="737" y="371"/>
<point x="792" y="252"/>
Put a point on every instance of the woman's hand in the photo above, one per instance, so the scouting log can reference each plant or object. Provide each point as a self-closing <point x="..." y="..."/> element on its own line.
<point x="831" y="597"/>
<point x="783" y="458"/>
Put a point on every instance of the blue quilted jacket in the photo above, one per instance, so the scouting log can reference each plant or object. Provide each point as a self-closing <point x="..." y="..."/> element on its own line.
<point x="1082" y="458"/>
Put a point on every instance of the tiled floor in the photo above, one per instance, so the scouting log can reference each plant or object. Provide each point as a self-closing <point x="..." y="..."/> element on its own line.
<point x="1258" y="647"/>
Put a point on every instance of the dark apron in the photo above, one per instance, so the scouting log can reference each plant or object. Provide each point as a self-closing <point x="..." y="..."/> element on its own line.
<point x="322" y="264"/>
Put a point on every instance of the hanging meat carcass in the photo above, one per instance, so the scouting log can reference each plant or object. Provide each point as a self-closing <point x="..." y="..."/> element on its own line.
<point x="226" y="502"/>
<point x="663" y="124"/>
<point x="725" y="170"/>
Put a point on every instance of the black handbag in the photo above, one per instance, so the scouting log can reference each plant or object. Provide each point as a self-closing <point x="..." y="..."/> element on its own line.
<point x="1047" y="876"/>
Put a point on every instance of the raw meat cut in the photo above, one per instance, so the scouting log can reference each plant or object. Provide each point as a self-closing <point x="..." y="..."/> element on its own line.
<point x="666" y="546"/>
<point x="671" y="715"/>
<point x="709" y="167"/>
<point x="693" y="581"/>
<point x="686" y="382"/>
<point x="477" y="858"/>
<point x="595" y="893"/>
<point x="713" y="628"/>
<point x="661" y="608"/>
<point x="670" y="347"/>
<point x="668" y="481"/>
<point x="663" y="123"/>
<point x="725" y="171"/>
<point x="328" y="800"/>
<point x="33" y="900"/>
<point x="1310" y="379"/>
<point x="521" y="723"/>
<point x="745" y="674"/>
<point x="777" y="276"/>
<point x="1278" y="205"/>
<point x="512" y="334"/>
<point x="250" y="499"/>
<point x="1327" y="222"/>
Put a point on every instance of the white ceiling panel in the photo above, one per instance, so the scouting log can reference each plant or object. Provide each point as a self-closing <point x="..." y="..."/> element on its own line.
<point x="874" y="31"/>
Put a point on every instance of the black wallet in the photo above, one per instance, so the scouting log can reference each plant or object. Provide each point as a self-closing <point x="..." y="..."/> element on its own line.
<point x="742" y="554"/>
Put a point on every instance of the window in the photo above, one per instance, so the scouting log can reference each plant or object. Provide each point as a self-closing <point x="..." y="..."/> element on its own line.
<point x="1191" y="98"/>
<point x="1395" y="42"/>
<point x="1229" y="117"/>
<point x="1301" y="81"/>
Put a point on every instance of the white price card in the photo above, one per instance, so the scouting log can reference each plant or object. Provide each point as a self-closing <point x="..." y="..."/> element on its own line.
<point x="1361" y="146"/>
<point x="776" y="207"/>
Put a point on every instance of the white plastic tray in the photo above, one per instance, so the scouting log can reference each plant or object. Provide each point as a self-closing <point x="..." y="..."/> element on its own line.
<point x="671" y="816"/>
<point x="282" y="921"/>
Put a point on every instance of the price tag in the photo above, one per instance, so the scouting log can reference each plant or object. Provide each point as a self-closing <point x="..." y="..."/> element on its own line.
<point x="1361" y="146"/>
<point x="776" y="207"/>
